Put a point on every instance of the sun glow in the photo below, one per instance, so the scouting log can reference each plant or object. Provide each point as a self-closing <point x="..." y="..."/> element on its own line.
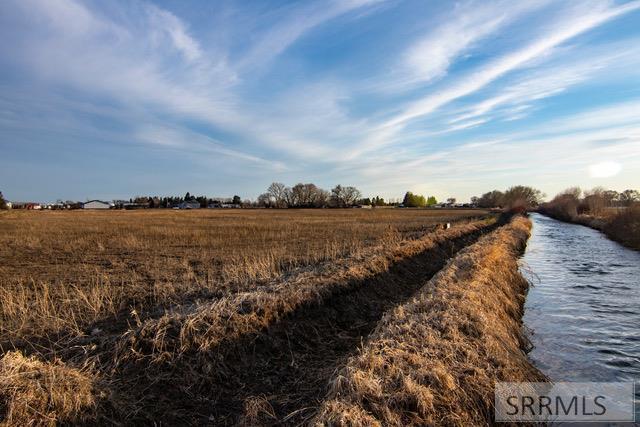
<point x="604" y="169"/>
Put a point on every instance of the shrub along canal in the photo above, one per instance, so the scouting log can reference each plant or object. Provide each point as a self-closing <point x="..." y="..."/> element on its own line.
<point x="584" y="307"/>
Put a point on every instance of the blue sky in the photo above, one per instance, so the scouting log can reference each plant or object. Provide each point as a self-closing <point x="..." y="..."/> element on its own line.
<point x="123" y="98"/>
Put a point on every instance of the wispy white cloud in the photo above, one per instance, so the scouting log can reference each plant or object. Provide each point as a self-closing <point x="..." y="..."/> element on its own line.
<point x="571" y="26"/>
<point x="299" y="21"/>
<point x="602" y="118"/>
<point x="467" y="24"/>
<point x="187" y="140"/>
<point x="174" y="28"/>
<point x="135" y="65"/>
<point x="555" y="78"/>
<point x="96" y="54"/>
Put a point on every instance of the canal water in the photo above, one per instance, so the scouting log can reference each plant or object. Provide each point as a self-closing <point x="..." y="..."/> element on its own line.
<point x="584" y="307"/>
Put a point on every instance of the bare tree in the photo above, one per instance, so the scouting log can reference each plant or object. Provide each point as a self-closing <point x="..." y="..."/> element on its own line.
<point x="336" y="200"/>
<point x="321" y="199"/>
<point x="595" y="200"/>
<point x="612" y="197"/>
<point x="629" y="197"/>
<point x="289" y="198"/>
<point x="343" y="197"/>
<point x="298" y="195"/>
<point x="277" y="192"/>
<point x="565" y="205"/>
<point x="351" y="195"/>
<point x="264" y="200"/>
<point x="522" y="197"/>
<point x="492" y="199"/>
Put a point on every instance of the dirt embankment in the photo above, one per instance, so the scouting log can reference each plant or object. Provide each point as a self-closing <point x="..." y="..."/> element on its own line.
<point x="435" y="359"/>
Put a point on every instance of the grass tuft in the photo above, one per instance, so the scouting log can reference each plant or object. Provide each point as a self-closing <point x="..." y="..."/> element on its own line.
<point x="37" y="393"/>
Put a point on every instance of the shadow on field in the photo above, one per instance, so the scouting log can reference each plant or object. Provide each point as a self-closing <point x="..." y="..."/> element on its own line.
<point x="281" y="375"/>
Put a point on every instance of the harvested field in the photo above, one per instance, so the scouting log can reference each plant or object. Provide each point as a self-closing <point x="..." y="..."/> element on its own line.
<point x="244" y="352"/>
<point x="61" y="272"/>
<point x="435" y="359"/>
<point x="265" y="357"/>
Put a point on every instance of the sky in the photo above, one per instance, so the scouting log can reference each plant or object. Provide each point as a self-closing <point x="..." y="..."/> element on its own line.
<point x="115" y="99"/>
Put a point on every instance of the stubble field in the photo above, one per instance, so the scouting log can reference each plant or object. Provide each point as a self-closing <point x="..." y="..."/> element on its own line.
<point x="213" y="316"/>
<point x="64" y="270"/>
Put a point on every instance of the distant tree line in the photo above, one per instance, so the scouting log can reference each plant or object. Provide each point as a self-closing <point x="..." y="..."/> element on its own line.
<point x="573" y="201"/>
<point x="173" y="201"/>
<point x="3" y="202"/>
<point x="519" y="197"/>
<point x="310" y="195"/>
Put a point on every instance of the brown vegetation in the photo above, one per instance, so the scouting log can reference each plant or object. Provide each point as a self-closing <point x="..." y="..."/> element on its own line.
<point x="139" y="302"/>
<point x="615" y="214"/>
<point x="205" y="326"/>
<point x="275" y="347"/>
<point x="62" y="271"/>
<point x="519" y="198"/>
<point x="435" y="359"/>
<point x="39" y="393"/>
<point x="625" y="227"/>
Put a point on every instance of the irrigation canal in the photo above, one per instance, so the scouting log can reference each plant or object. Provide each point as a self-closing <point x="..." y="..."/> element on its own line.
<point x="584" y="307"/>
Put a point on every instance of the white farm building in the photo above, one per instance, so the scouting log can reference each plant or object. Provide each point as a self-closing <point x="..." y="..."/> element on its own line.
<point x="189" y="204"/>
<point x="96" y="204"/>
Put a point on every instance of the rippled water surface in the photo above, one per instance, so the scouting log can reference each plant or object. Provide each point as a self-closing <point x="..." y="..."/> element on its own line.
<point x="584" y="308"/>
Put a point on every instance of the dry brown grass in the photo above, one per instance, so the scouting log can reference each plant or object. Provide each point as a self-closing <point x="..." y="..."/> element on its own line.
<point x="176" y="346"/>
<point x="36" y="393"/>
<point x="63" y="271"/>
<point x="434" y="360"/>
<point x="625" y="227"/>
<point x="203" y="327"/>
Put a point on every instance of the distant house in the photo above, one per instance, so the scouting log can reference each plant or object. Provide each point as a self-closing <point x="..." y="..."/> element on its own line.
<point x="96" y="204"/>
<point x="26" y="205"/>
<point x="9" y="205"/>
<point x="230" y="206"/>
<point x="189" y="205"/>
